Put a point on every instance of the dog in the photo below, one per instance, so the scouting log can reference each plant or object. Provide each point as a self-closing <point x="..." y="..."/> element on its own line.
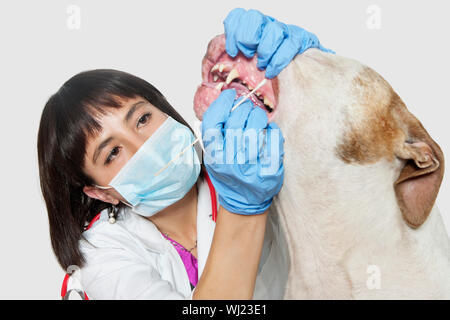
<point x="357" y="207"/>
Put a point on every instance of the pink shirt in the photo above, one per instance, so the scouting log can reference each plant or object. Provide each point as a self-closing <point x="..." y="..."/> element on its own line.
<point x="189" y="261"/>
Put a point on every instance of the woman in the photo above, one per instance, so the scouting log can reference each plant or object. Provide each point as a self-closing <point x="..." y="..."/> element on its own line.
<point x="127" y="197"/>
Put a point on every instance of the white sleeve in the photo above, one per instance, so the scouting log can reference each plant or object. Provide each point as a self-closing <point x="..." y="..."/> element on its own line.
<point x="118" y="276"/>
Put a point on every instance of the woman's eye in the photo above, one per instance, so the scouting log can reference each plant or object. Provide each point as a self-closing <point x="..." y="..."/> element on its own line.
<point x="112" y="154"/>
<point x="143" y="120"/>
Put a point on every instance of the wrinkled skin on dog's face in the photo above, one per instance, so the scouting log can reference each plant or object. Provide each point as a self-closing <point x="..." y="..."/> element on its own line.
<point x="358" y="164"/>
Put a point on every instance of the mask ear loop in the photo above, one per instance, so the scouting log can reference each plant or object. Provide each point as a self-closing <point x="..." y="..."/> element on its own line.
<point x="107" y="188"/>
<point x="101" y="187"/>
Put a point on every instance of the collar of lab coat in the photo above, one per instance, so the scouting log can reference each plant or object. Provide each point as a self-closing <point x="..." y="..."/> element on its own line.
<point x="150" y="237"/>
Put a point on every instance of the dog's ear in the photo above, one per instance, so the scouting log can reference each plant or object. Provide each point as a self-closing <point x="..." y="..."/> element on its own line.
<point x="419" y="181"/>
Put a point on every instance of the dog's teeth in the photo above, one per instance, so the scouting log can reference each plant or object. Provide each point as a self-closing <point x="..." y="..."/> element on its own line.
<point x="219" y="86"/>
<point x="258" y="94"/>
<point x="216" y="77"/>
<point x="216" y="67"/>
<point x="221" y="67"/>
<point x="268" y="103"/>
<point x="232" y="75"/>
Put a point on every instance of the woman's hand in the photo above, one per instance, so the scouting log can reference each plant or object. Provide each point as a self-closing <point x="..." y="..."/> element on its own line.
<point x="243" y="154"/>
<point x="232" y="264"/>
<point x="275" y="43"/>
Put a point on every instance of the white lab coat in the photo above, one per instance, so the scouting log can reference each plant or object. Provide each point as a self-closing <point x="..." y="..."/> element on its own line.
<point x="130" y="259"/>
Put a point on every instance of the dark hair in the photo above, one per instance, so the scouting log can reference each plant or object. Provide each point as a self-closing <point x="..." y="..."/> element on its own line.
<point x="67" y="121"/>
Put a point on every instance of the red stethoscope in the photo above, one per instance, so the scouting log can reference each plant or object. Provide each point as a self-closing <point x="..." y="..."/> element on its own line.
<point x="66" y="293"/>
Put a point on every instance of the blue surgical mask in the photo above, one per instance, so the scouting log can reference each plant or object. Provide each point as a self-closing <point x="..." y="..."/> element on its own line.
<point x="161" y="172"/>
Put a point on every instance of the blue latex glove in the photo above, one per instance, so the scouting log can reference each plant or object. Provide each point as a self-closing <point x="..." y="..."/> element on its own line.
<point x="275" y="43"/>
<point x="244" y="161"/>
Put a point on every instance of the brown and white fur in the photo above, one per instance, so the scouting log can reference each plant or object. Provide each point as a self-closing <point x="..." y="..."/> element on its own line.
<point x="361" y="179"/>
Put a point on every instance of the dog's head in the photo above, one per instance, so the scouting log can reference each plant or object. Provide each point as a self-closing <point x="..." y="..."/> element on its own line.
<point x="349" y="133"/>
<point x="346" y="131"/>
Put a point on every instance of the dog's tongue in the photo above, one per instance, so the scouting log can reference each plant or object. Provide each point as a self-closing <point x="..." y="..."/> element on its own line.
<point x="220" y="72"/>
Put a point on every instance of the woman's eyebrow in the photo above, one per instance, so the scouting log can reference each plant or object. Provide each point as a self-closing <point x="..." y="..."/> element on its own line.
<point x="133" y="108"/>
<point x="100" y="148"/>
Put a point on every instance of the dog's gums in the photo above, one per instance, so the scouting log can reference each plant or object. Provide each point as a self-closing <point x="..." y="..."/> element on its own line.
<point x="221" y="72"/>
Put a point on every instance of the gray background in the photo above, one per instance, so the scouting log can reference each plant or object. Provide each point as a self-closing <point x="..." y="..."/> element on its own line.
<point x="163" y="42"/>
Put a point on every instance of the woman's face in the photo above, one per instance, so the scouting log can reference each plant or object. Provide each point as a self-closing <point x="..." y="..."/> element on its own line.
<point x="124" y="130"/>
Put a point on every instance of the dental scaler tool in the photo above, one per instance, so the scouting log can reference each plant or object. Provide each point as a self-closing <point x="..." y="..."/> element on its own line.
<point x="199" y="130"/>
<point x="249" y="94"/>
